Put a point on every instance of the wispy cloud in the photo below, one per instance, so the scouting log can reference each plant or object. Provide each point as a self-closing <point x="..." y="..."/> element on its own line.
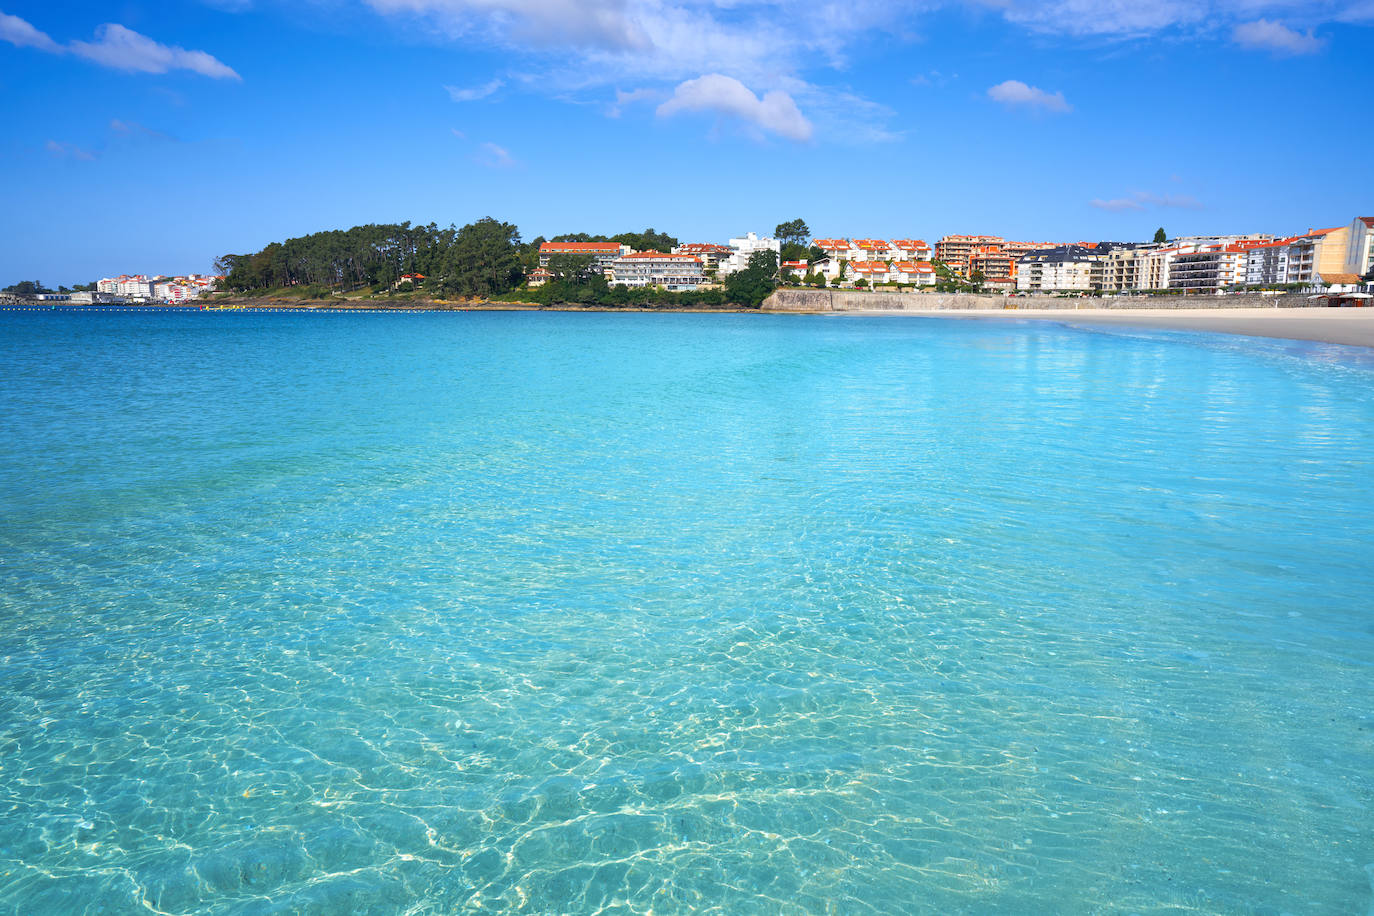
<point x="69" y="151"/>
<point x="473" y="94"/>
<point x="1122" y="19"/>
<point x="23" y="35"/>
<point x="493" y="156"/>
<point x="132" y="129"/>
<point x="622" y="99"/>
<point x="1016" y="94"/>
<point x="124" y="49"/>
<point x="1275" y="36"/>
<point x="541" y="22"/>
<point x="1145" y="200"/>
<point x="118" y="48"/>
<point x="776" y="112"/>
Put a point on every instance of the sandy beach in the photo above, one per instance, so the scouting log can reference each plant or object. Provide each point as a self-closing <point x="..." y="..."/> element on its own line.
<point x="1354" y="327"/>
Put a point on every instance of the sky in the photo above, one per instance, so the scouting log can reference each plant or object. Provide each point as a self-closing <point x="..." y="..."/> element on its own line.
<point x="145" y="136"/>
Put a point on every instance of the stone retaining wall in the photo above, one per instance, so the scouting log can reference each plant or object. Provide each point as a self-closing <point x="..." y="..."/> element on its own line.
<point x="846" y="300"/>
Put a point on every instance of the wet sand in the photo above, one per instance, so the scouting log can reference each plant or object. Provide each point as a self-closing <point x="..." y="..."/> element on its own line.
<point x="1350" y="326"/>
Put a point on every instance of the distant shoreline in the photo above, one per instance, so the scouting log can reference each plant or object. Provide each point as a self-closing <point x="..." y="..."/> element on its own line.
<point x="1345" y="326"/>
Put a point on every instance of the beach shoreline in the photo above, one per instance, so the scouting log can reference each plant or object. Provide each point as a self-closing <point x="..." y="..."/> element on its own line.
<point x="1350" y="327"/>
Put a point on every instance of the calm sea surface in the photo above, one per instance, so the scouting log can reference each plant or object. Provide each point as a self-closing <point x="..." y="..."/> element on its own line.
<point x="446" y="613"/>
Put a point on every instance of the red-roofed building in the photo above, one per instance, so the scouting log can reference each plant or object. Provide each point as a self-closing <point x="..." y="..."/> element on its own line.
<point x="921" y="273"/>
<point x="874" y="249"/>
<point x="838" y="249"/>
<point x="711" y="255"/>
<point x="602" y="252"/>
<point x="954" y="250"/>
<point x="911" y="249"/>
<point x="872" y="271"/>
<point x="672" y="272"/>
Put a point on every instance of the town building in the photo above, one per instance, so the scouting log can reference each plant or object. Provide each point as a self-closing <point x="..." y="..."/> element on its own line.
<point x="744" y="247"/>
<point x="836" y="249"/>
<point x="1210" y="269"/>
<point x="796" y="269"/>
<point x="674" y="272"/>
<point x="712" y="256"/>
<point x="873" y="250"/>
<point x="1065" y="267"/>
<point x="920" y="273"/>
<point x="910" y="250"/>
<point x="1359" y="248"/>
<point x="873" y="271"/>
<point x="602" y="253"/>
<point x="992" y="262"/>
<point x="954" y="251"/>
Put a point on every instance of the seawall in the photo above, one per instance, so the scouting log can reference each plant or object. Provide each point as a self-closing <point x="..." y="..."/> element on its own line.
<point x="847" y="300"/>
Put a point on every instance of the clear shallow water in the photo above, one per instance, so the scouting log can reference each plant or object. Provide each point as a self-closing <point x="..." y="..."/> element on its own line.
<point x="589" y="613"/>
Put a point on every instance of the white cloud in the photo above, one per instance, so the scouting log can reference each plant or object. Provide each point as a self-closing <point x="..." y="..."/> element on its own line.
<point x="1143" y="200"/>
<point x="1132" y="19"/>
<point x="594" y="24"/>
<point x="493" y="156"/>
<point x="475" y="93"/>
<point x="69" y="150"/>
<point x="1100" y="17"/>
<point x="124" y="49"/>
<point x="775" y="112"/>
<point x="1275" y="36"/>
<point x="119" y="48"/>
<point x="22" y="35"/>
<point x="1117" y="204"/>
<point x="1016" y="93"/>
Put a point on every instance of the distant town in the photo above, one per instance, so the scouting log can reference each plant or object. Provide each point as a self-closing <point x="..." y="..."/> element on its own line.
<point x="1337" y="260"/>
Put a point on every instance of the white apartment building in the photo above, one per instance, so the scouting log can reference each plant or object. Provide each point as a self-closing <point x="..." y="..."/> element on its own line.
<point x="910" y="250"/>
<point x="836" y="250"/>
<point x="674" y="272"/>
<point x="872" y="271"/>
<point x="1209" y="269"/>
<point x="743" y="247"/>
<point x="1067" y="267"/>
<point x="874" y="250"/>
<point x="921" y="273"/>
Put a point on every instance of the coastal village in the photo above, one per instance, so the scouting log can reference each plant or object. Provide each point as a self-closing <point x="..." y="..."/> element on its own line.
<point x="1338" y="260"/>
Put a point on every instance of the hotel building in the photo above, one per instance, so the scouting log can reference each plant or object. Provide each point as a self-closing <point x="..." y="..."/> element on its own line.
<point x="602" y="253"/>
<point x="674" y="272"/>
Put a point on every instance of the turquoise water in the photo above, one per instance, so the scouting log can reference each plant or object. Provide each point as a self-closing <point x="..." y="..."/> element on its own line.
<point x="484" y="612"/>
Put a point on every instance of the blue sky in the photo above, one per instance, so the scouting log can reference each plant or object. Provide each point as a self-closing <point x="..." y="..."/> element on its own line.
<point x="147" y="136"/>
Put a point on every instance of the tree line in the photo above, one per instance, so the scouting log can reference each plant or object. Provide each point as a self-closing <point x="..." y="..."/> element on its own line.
<point x="480" y="259"/>
<point x="486" y="258"/>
